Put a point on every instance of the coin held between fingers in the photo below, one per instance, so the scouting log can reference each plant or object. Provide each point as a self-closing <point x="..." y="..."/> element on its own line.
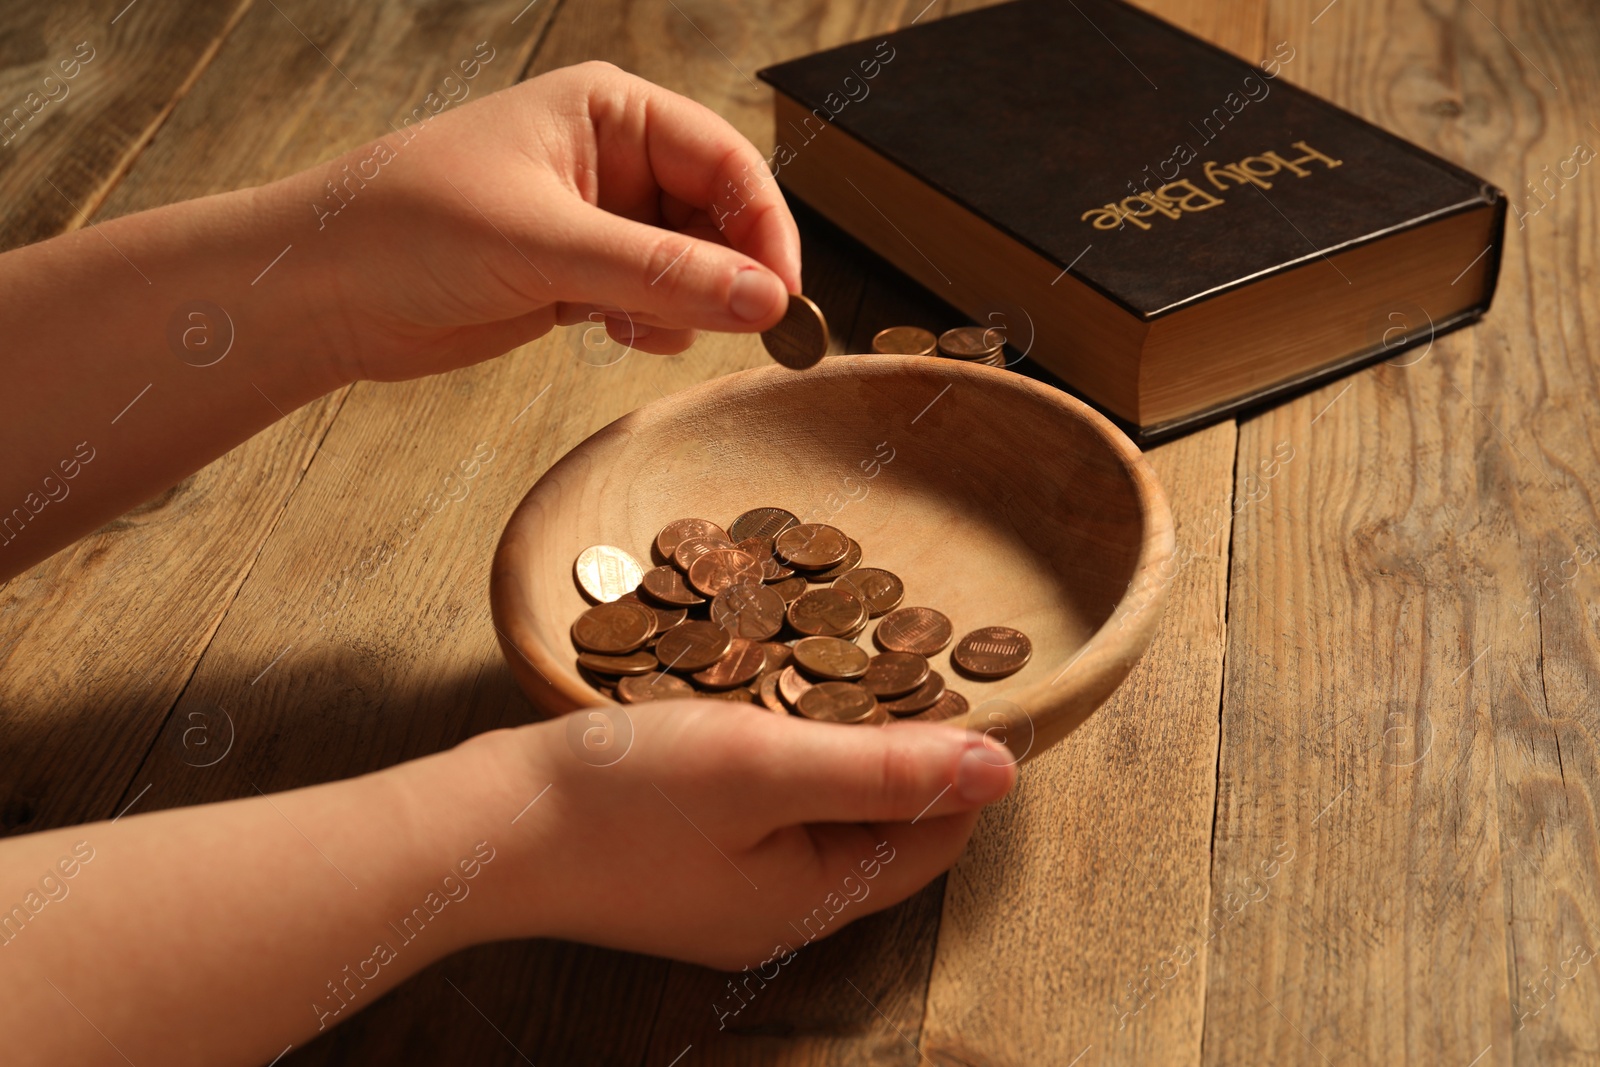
<point x="800" y="339"/>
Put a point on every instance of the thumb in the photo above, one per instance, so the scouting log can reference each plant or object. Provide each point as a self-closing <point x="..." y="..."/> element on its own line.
<point x="665" y="276"/>
<point x="822" y="772"/>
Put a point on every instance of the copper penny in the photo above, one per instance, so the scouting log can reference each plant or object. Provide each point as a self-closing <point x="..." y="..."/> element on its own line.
<point x="831" y="658"/>
<point x="800" y="339"/>
<point x="971" y="342"/>
<point x="790" y="588"/>
<point x="633" y="663"/>
<point x="768" y="692"/>
<point x="792" y="686"/>
<point x="894" y="674"/>
<point x="645" y="687"/>
<point x="879" y="589"/>
<point x="761" y="548"/>
<point x="605" y="572"/>
<point x="950" y="706"/>
<point x="692" y="548"/>
<point x="613" y="629"/>
<point x="851" y="561"/>
<point x="779" y="655"/>
<point x="721" y="568"/>
<point x="837" y="702"/>
<point x="666" y="584"/>
<point x="666" y="618"/>
<point x="692" y="646"/>
<point x="676" y="532"/>
<point x="904" y="341"/>
<point x="749" y="610"/>
<point x="812" y="545"/>
<point x="921" y="698"/>
<point x="920" y="630"/>
<point x="738" y="666"/>
<point x="826" y="613"/>
<point x="760" y="522"/>
<point x="992" y="652"/>
<point x="742" y="695"/>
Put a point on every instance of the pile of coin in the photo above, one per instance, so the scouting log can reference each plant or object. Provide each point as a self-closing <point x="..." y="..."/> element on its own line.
<point x="973" y="344"/>
<point x="767" y="611"/>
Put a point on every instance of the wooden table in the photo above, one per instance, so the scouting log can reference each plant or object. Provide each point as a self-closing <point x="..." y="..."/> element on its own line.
<point x="1327" y="821"/>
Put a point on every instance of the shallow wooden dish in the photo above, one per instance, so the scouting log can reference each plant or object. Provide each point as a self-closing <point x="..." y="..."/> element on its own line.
<point x="998" y="501"/>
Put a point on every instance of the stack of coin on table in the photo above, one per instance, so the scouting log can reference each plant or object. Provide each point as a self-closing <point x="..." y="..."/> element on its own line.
<point x="973" y="344"/>
<point x="767" y="611"/>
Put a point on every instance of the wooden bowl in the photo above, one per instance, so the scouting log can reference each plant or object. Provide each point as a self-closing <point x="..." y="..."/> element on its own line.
<point x="996" y="499"/>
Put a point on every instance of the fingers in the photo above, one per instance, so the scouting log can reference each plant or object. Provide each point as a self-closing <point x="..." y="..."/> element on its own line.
<point x="819" y="772"/>
<point x="697" y="158"/>
<point x="662" y="274"/>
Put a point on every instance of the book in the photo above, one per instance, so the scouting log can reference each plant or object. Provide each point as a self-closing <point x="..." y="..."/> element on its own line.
<point x="1177" y="234"/>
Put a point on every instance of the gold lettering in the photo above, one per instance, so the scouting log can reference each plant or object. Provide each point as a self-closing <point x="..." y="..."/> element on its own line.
<point x="1193" y="199"/>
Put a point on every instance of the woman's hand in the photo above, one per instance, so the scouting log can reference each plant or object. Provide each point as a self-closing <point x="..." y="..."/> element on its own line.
<point x="583" y="193"/>
<point x="724" y="834"/>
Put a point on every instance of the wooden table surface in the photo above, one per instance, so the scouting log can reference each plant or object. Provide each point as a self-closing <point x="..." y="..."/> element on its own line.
<point x="1328" y="820"/>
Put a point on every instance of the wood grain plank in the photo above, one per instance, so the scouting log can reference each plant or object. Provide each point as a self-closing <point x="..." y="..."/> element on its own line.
<point x="1090" y="881"/>
<point x="101" y="638"/>
<point x="1074" y="928"/>
<point x="82" y="91"/>
<point x="1389" y="718"/>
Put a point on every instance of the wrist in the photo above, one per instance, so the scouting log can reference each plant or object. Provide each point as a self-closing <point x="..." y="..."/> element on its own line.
<point x="473" y="814"/>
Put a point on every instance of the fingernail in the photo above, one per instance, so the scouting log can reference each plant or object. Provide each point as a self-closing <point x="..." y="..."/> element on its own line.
<point x="983" y="776"/>
<point x="754" y="295"/>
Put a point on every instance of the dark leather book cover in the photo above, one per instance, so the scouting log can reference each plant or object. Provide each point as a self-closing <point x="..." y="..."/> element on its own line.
<point x="1162" y="169"/>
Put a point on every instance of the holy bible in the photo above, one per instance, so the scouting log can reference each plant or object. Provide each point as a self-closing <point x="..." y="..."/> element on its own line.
<point x="1179" y="234"/>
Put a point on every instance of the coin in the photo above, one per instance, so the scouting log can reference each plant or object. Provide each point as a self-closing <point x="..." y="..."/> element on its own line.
<point x="851" y="561"/>
<point x="812" y="545"/>
<point x="800" y="339"/>
<point x="722" y="567"/>
<point x="760" y="522"/>
<point x="790" y="588"/>
<point x="971" y="342"/>
<point x="779" y="655"/>
<point x="837" y="702"/>
<point x="920" y="630"/>
<point x="791" y="686"/>
<point x="827" y="613"/>
<point x="741" y="695"/>
<point x="921" y="698"/>
<point x="605" y="572"/>
<point x="894" y="674"/>
<point x="949" y="706"/>
<point x="831" y="658"/>
<point x="692" y="548"/>
<point x="633" y="663"/>
<point x="737" y="666"/>
<point x="666" y="584"/>
<point x="644" y="687"/>
<point x="879" y="589"/>
<point x="749" y="610"/>
<point x="904" y="341"/>
<point x="666" y="618"/>
<point x="692" y="645"/>
<point x="761" y="549"/>
<point x="679" y="530"/>
<point x="992" y="652"/>
<point x="613" y="629"/>
<point x="768" y="692"/>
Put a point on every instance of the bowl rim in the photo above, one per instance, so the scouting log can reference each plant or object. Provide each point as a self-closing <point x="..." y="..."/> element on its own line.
<point x="1035" y="717"/>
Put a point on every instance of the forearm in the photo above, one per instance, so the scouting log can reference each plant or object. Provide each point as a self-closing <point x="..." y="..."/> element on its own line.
<point x="138" y="350"/>
<point x="222" y="933"/>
